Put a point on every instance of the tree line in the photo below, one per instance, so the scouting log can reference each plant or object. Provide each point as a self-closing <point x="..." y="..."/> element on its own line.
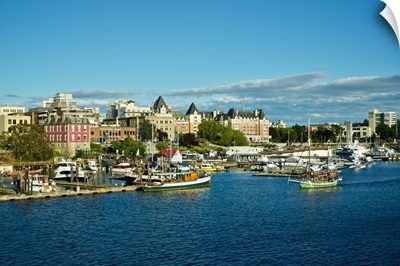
<point x="332" y="133"/>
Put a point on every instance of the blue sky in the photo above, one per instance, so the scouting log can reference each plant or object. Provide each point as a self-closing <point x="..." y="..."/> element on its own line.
<point x="330" y="61"/>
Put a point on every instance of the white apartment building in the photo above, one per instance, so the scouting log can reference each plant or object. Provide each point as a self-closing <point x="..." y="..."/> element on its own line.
<point x="375" y="118"/>
<point x="58" y="98"/>
<point x="122" y="108"/>
<point x="11" y="109"/>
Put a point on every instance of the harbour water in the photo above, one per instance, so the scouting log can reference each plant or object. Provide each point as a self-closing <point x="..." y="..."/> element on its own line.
<point x="240" y="220"/>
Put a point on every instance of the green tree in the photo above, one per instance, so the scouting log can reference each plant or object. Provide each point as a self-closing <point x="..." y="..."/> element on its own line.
<point x="395" y="129"/>
<point x="162" y="145"/>
<point x="337" y="131"/>
<point x="323" y="134"/>
<point x="221" y="135"/>
<point x="210" y="130"/>
<point x="128" y="147"/>
<point x="189" y="140"/>
<point x="162" y="135"/>
<point x="385" y="132"/>
<point x="27" y="143"/>
<point x="146" y="131"/>
<point x="94" y="147"/>
<point x="300" y="132"/>
<point x="275" y="135"/>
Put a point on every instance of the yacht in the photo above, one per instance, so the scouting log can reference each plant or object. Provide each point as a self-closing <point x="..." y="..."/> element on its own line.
<point x="68" y="170"/>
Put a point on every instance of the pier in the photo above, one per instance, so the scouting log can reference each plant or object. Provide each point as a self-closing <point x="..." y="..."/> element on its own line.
<point x="67" y="193"/>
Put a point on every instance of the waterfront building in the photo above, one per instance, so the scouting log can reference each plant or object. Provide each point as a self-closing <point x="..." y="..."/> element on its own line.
<point x="122" y="109"/>
<point x="63" y="104"/>
<point x="254" y="125"/>
<point x="245" y="153"/>
<point x="12" y="119"/>
<point x="162" y="118"/>
<point x="11" y="109"/>
<point x="159" y="115"/>
<point x="63" y="99"/>
<point x="362" y="133"/>
<point x="375" y="118"/>
<point x="194" y="119"/>
<point x="68" y="135"/>
<point x="181" y="123"/>
<point x="169" y="156"/>
<point x="109" y="133"/>
<point x="279" y="124"/>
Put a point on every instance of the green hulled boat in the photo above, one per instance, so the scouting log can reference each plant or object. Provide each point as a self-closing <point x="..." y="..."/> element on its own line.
<point x="318" y="184"/>
<point x="318" y="178"/>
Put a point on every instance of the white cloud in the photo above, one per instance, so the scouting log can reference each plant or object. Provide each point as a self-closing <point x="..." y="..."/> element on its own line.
<point x="292" y="99"/>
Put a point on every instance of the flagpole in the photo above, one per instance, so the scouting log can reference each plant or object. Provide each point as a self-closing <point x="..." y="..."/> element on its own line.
<point x="244" y="104"/>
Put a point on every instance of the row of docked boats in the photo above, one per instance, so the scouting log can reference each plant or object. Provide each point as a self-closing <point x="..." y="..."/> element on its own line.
<point x="179" y="176"/>
<point x="355" y="157"/>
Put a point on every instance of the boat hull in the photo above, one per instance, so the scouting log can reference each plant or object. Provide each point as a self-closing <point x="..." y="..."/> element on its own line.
<point x="199" y="183"/>
<point x="311" y="185"/>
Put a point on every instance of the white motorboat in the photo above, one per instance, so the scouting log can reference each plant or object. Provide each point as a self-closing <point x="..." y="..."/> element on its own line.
<point x="68" y="170"/>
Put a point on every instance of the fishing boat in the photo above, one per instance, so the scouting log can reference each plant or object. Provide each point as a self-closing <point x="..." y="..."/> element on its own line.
<point x="180" y="167"/>
<point x="37" y="183"/>
<point x="319" y="177"/>
<point x="42" y="184"/>
<point x="177" y="181"/>
<point x="134" y="178"/>
<point x="206" y="167"/>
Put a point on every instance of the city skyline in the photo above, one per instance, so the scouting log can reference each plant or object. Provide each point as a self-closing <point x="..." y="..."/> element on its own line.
<point x="329" y="61"/>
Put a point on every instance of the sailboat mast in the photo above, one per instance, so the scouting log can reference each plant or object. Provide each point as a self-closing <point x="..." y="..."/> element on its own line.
<point x="309" y="148"/>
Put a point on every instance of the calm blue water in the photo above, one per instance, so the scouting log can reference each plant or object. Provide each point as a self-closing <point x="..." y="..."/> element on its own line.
<point x="240" y="220"/>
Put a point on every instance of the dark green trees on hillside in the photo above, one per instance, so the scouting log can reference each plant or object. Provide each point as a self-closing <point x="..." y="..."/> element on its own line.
<point x="188" y="140"/>
<point x="27" y="143"/>
<point x="299" y="134"/>
<point x="385" y="132"/>
<point x="221" y="135"/>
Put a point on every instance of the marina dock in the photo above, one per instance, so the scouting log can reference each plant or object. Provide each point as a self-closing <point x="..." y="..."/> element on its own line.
<point x="67" y="193"/>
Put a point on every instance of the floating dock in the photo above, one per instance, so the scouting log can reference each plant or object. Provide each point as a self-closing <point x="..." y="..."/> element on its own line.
<point x="67" y="193"/>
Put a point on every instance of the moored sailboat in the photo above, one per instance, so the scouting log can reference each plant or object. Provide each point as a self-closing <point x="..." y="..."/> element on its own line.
<point x="325" y="177"/>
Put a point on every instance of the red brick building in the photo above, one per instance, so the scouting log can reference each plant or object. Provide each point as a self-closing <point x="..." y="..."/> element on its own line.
<point x="68" y="134"/>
